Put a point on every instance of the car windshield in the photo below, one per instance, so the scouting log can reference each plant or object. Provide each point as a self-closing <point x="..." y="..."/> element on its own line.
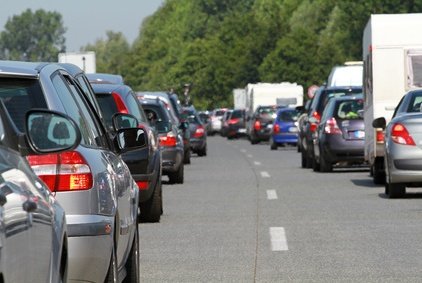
<point x="236" y="114"/>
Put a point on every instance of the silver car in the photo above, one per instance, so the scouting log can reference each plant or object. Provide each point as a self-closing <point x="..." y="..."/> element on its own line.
<point x="91" y="182"/>
<point x="403" y="145"/>
<point x="33" y="236"/>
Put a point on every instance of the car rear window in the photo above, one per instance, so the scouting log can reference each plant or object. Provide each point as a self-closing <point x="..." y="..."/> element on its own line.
<point x="288" y="116"/>
<point x="19" y="95"/>
<point x="331" y="93"/>
<point x="349" y="109"/>
<point x="219" y="112"/>
<point x="237" y="114"/>
<point x="157" y="117"/>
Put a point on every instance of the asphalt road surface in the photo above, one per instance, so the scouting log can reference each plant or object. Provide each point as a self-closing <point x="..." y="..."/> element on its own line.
<point x="249" y="214"/>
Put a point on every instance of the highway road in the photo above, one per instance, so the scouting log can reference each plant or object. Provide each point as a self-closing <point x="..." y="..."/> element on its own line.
<point x="249" y="214"/>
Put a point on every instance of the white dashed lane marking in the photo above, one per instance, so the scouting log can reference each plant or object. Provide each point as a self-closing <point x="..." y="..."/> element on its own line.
<point x="264" y="174"/>
<point x="272" y="194"/>
<point x="257" y="163"/>
<point x="278" y="239"/>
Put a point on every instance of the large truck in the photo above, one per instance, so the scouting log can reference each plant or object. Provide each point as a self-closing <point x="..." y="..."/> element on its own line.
<point x="84" y="60"/>
<point x="392" y="56"/>
<point x="239" y="98"/>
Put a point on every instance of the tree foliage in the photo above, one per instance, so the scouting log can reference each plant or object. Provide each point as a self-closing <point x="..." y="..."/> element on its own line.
<point x="33" y="36"/>
<point x="219" y="45"/>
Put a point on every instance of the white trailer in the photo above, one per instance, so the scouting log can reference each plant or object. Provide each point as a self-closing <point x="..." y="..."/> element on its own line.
<point x="285" y="93"/>
<point x="84" y="60"/>
<point x="392" y="56"/>
<point x="239" y="98"/>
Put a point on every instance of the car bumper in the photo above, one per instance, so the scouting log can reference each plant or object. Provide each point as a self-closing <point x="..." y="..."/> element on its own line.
<point x="197" y="144"/>
<point x="89" y="247"/>
<point x="285" y="138"/>
<point x="337" y="149"/>
<point x="172" y="158"/>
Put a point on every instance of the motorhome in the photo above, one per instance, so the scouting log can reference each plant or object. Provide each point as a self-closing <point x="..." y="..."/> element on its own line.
<point x="392" y="56"/>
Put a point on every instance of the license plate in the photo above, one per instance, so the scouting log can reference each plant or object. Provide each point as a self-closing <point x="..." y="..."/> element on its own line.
<point x="293" y="130"/>
<point x="359" y="134"/>
<point x="243" y="130"/>
<point x="270" y="126"/>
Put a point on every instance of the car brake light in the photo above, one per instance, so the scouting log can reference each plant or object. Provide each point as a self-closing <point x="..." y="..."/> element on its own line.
<point x="331" y="127"/>
<point x="199" y="132"/>
<point x="168" y="140"/>
<point x="276" y="128"/>
<point x="66" y="171"/>
<point x="121" y="107"/>
<point x="143" y="185"/>
<point x="380" y="135"/>
<point x="257" y="125"/>
<point x="317" y="116"/>
<point x="400" y="135"/>
<point x="314" y="124"/>
<point x="233" y="121"/>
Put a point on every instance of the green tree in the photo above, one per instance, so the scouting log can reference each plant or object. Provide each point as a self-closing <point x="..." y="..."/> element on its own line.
<point x="33" y="36"/>
<point x="111" y="53"/>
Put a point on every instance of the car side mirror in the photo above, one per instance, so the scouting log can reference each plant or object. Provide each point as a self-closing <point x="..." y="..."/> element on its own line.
<point x="130" y="138"/>
<point x="379" y="123"/>
<point x="50" y="131"/>
<point x="124" y="121"/>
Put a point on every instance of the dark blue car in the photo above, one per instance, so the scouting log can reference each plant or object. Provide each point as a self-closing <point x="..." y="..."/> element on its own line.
<point x="285" y="128"/>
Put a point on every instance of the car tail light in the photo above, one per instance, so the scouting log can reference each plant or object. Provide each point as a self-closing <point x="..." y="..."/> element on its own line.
<point x="143" y="185"/>
<point x="200" y="131"/>
<point x="168" y="140"/>
<point x="121" y="107"/>
<point x="66" y="171"/>
<point x="400" y="135"/>
<point x="257" y="125"/>
<point x="233" y="121"/>
<point x="380" y="135"/>
<point x="331" y="127"/>
<point x="314" y="124"/>
<point x="276" y="128"/>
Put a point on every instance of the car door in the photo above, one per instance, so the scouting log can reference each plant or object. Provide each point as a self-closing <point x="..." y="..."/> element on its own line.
<point x="26" y="223"/>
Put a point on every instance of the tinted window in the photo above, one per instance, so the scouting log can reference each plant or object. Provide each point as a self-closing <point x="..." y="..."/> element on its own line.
<point x="237" y="114"/>
<point x="20" y="95"/>
<point x="134" y="109"/>
<point x="288" y="116"/>
<point x="157" y="117"/>
<point x="72" y="109"/>
<point x="348" y="109"/>
<point x="108" y="108"/>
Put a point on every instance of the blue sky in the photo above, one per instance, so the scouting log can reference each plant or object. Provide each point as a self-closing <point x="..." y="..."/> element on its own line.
<point x="88" y="20"/>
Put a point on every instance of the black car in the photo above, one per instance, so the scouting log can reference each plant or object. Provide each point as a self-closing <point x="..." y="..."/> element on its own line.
<point x="170" y="138"/>
<point x="198" y="141"/>
<point x="261" y="123"/>
<point x="313" y="118"/>
<point x="144" y="163"/>
<point x="236" y="124"/>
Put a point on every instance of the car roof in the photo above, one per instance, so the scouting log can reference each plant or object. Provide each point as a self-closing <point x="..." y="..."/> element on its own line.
<point x="109" y="88"/>
<point x="20" y="68"/>
<point x="102" y="78"/>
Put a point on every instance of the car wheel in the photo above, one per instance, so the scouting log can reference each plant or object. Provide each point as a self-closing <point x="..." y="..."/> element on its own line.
<point x="112" y="269"/>
<point x="186" y="157"/>
<point x="253" y="139"/>
<point x="315" y="165"/>
<point x="273" y="145"/>
<point x="203" y="151"/>
<point x="303" y="159"/>
<point x="177" y="177"/>
<point x="378" y="173"/>
<point x="324" y="164"/>
<point x="132" y="263"/>
<point x="151" y="210"/>
<point x="395" y="190"/>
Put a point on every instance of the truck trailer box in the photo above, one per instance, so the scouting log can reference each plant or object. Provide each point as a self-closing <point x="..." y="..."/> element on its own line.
<point x="239" y="98"/>
<point x="392" y="56"/>
<point x="84" y="60"/>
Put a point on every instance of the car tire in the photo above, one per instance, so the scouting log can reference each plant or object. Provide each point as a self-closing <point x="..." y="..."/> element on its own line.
<point x="151" y="210"/>
<point x="315" y="166"/>
<point x="178" y="176"/>
<point x="203" y="151"/>
<point x="395" y="190"/>
<point x="324" y="164"/>
<point x="111" y="276"/>
<point x="378" y="173"/>
<point x="303" y="159"/>
<point x="273" y="145"/>
<point x="186" y="157"/>
<point x="254" y="140"/>
<point x="132" y="263"/>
